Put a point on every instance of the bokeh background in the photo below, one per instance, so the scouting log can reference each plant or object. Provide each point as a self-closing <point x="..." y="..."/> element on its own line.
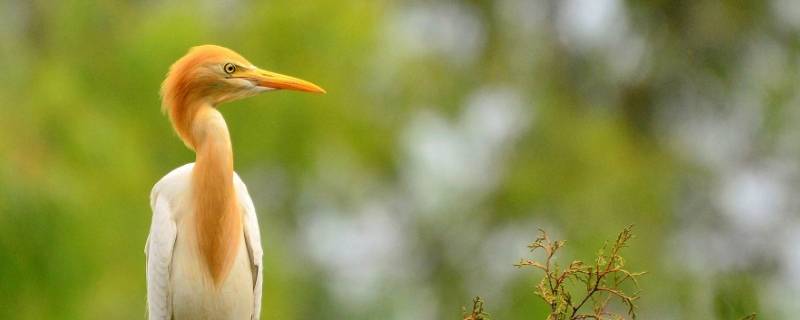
<point x="451" y="131"/>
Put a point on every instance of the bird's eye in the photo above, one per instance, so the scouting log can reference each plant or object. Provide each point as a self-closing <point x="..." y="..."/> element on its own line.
<point x="229" y="68"/>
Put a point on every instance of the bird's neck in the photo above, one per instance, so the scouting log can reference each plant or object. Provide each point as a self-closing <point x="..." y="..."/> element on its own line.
<point x="218" y="219"/>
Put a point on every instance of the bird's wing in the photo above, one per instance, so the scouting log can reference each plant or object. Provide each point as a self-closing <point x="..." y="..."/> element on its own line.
<point x="158" y="250"/>
<point x="252" y="236"/>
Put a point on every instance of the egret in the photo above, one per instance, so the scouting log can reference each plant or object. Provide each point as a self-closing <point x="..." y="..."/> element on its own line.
<point x="204" y="246"/>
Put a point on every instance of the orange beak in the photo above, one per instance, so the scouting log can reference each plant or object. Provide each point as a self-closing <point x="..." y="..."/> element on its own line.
<point x="269" y="79"/>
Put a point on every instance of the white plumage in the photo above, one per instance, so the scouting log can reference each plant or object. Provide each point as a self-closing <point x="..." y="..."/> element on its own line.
<point x="177" y="285"/>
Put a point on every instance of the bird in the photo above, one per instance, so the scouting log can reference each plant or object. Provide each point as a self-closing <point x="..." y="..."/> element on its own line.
<point x="203" y="250"/>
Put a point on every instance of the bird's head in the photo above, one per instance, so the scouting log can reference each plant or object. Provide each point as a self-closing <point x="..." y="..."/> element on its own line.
<point x="214" y="75"/>
<point x="211" y="75"/>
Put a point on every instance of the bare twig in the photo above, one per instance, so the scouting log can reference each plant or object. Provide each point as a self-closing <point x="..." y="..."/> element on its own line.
<point x="477" y="311"/>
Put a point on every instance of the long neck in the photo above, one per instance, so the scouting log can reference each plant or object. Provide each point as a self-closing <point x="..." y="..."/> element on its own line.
<point x="219" y="223"/>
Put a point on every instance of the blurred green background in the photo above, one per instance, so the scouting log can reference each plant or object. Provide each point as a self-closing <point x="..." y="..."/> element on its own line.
<point x="451" y="131"/>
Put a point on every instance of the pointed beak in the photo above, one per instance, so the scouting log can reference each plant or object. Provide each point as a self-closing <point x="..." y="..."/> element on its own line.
<point x="272" y="80"/>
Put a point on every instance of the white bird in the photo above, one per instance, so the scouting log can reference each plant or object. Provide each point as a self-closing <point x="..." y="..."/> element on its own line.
<point x="204" y="246"/>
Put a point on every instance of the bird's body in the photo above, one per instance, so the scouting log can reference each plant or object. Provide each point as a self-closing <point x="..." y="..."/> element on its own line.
<point x="204" y="248"/>
<point x="193" y="293"/>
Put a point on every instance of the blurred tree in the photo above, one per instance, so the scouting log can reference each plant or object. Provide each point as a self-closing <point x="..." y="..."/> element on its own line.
<point x="451" y="131"/>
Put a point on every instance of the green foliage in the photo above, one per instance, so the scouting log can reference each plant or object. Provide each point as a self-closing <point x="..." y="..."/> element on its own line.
<point x="601" y="281"/>
<point x="82" y="141"/>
